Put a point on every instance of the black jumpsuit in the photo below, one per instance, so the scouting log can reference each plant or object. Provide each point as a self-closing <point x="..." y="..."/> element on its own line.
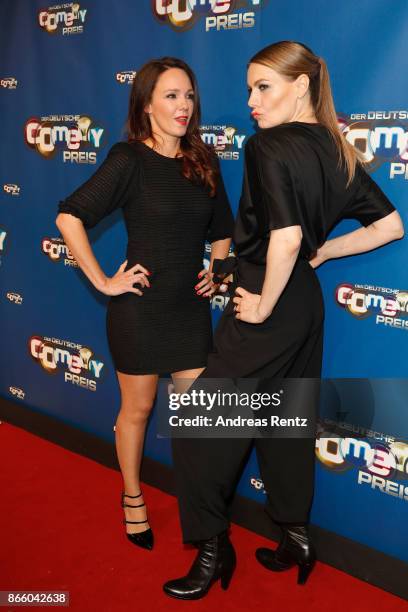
<point x="168" y="219"/>
<point x="291" y="178"/>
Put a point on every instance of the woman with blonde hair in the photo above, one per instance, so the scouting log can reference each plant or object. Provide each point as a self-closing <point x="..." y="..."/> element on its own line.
<point x="301" y="178"/>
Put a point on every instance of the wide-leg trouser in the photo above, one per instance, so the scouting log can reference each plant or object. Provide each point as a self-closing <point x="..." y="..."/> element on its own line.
<point x="288" y="344"/>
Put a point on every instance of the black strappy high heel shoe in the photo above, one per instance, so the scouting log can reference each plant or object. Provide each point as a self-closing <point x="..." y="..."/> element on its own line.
<point x="295" y="548"/>
<point x="144" y="539"/>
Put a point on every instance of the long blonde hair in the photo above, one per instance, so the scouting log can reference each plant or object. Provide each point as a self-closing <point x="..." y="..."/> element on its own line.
<point x="291" y="59"/>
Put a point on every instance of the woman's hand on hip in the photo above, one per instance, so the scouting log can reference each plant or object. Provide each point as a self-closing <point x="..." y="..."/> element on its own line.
<point x="318" y="258"/>
<point x="206" y="287"/>
<point x="122" y="282"/>
<point x="247" y="306"/>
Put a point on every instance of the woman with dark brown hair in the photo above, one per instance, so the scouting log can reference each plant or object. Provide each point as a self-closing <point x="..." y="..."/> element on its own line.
<point x="168" y="183"/>
<point x="301" y="178"/>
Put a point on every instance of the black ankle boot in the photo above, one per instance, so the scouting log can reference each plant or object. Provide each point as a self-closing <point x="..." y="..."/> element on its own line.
<point x="295" y="548"/>
<point x="215" y="560"/>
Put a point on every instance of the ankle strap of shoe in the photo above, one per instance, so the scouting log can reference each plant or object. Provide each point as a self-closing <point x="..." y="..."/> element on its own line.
<point x="131" y="496"/>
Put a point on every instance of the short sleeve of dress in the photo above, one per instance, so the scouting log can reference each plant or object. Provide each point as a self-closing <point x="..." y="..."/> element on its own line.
<point x="222" y="220"/>
<point x="105" y="190"/>
<point x="271" y="184"/>
<point x="368" y="203"/>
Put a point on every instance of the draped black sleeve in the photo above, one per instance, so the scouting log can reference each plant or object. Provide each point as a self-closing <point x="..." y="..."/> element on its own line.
<point x="368" y="203"/>
<point x="292" y="176"/>
<point x="269" y="172"/>
<point x="105" y="190"/>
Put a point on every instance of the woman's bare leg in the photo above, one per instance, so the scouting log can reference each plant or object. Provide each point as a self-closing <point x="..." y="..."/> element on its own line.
<point x="137" y="398"/>
<point x="183" y="379"/>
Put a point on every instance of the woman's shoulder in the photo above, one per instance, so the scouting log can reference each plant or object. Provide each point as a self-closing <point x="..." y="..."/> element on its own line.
<point x="275" y="140"/>
<point x="286" y="137"/>
<point x="122" y="148"/>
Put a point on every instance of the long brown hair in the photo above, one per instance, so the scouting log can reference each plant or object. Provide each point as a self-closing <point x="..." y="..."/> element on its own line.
<point x="291" y="59"/>
<point x="199" y="160"/>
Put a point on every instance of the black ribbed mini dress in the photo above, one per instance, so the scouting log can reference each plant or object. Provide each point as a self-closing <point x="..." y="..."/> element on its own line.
<point x="168" y="220"/>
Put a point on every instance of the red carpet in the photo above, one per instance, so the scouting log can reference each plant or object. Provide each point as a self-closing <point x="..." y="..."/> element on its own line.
<point x="61" y="530"/>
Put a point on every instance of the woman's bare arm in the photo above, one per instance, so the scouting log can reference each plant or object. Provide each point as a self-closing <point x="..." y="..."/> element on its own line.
<point x="361" y="240"/>
<point x="219" y="250"/>
<point x="76" y="238"/>
<point x="283" y="250"/>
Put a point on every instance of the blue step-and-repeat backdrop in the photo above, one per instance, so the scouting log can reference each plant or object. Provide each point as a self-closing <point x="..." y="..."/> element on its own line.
<point x="66" y="71"/>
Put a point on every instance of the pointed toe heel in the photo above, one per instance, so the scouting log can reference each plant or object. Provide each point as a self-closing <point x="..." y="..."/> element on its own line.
<point x="143" y="539"/>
